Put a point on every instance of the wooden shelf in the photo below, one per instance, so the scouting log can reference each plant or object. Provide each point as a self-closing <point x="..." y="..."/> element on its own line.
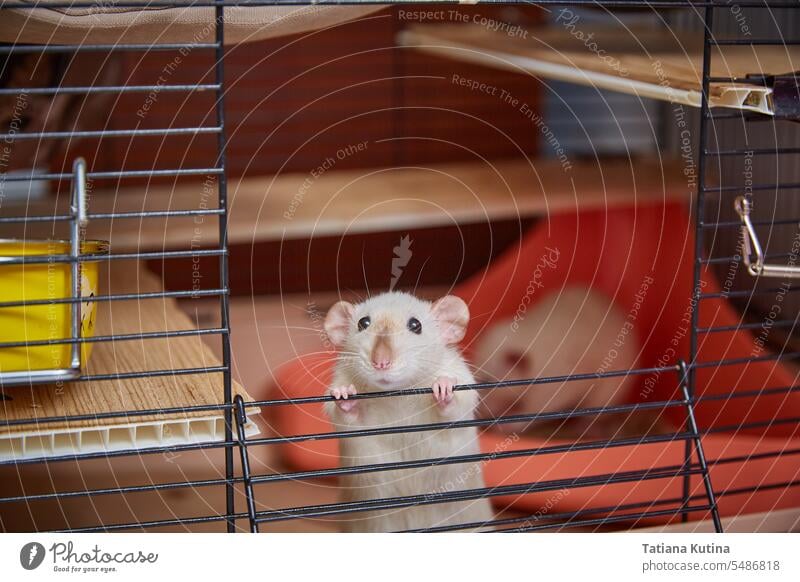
<point x="98" y="397"/>
<point x="296" y="206"/>
<point x="648" y="63"/>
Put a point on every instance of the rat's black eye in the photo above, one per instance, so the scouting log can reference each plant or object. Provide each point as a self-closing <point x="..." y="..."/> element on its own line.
<point x="363" y="323"/>
<point x="414" y="326"/>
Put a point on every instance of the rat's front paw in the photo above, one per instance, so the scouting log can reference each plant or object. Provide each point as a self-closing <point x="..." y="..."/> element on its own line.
<point x="341" y="394"/>
<point x="443" y="390"/>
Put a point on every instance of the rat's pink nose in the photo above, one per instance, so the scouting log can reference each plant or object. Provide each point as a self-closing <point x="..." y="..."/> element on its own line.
<point x="382" y="353"/>
<point x="381" y="364"/>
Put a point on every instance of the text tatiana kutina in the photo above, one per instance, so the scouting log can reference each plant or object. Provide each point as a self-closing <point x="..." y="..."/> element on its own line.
<point x="686" y="549"/>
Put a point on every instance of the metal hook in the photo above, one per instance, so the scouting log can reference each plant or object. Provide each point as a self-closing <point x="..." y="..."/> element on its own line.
<point x="752" y="253"/>
<point x="78" y="223"/>
<point x="79" y="220"/>
<point x="79" y="210"/>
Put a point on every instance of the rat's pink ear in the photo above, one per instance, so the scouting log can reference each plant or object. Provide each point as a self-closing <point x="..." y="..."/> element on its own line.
<point x="337" y="322"/>
<point x="452" y="316"/>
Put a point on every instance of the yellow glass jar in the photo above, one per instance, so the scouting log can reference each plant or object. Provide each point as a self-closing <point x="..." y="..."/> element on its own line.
<point x="44" y="281"/>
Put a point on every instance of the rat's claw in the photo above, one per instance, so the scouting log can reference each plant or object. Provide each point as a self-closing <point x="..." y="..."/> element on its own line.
<point x="341" y="394"/>
<point x="443" y="390"/>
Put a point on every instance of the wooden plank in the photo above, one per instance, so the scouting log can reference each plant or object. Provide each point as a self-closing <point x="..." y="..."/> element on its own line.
<point x="329" y="202"/>
<point x="97" y="397"/>
<point x="649" y="63"/>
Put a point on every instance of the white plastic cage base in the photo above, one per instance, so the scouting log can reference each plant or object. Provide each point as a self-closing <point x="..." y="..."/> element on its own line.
<point x="744" y="97"/>
<point x="140" y="436"/>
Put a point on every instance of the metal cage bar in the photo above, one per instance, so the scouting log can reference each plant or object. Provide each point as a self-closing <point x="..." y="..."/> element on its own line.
<point x="233" y="410"/>
<point x="227" y="377"/>
<point x="689" y="385"/>
<point x="241" y="420"/>
<point x="77" y="218"/>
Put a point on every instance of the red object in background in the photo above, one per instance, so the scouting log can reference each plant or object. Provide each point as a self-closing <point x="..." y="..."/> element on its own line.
<point x="642" y="257"/>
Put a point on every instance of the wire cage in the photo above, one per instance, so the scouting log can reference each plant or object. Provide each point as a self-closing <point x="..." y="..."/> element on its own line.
<point x="220" y="423"/>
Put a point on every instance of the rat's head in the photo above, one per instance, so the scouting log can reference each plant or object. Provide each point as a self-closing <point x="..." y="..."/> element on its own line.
<point x="393" y="340"/>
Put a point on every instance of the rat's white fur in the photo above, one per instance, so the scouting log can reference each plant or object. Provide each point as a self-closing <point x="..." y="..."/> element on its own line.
<point x="571" y="331"/>
<point x="418" y="361"/>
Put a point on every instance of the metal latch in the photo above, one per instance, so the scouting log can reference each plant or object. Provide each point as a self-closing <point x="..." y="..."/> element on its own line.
<point x="752" y="253"/>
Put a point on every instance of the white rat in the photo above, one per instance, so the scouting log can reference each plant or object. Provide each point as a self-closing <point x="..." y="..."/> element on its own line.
<point x="394" y="341"/>
<point x="571" y="331"/>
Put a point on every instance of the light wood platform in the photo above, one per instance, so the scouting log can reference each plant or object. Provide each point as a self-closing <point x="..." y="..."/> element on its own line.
<point x="650" y="63"/>
<point x="115" y="357"/>
<point x="294" y="206"/>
